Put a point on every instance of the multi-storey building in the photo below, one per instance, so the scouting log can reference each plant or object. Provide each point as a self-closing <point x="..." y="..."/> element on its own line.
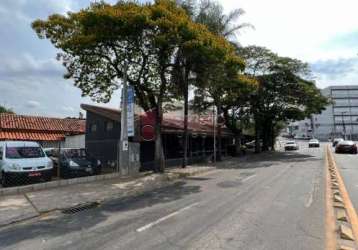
<point x="340" y="119"/>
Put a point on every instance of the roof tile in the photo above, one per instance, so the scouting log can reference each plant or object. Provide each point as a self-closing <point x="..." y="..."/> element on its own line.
<point x="15" y="122"/>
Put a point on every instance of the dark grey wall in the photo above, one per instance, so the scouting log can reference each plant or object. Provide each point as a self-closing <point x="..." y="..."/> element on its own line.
<point x="102" y="144"/>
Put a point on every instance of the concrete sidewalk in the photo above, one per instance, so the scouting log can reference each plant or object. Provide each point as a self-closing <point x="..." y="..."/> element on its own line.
<point x="16" y="208"/>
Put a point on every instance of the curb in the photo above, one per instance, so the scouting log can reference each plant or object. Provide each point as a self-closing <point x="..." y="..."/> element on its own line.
<point x="66" y="182"/>
<point x="158" y="181"/>
<point x="343" y="224"/>
<point x="56" y="183"/>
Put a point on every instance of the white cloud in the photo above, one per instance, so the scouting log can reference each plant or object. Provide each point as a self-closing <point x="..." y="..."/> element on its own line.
<point x="28" y="65"/>
<point x="32" y="104"/>
<point x="300" y="28"/>
<point x="305" y="29"/>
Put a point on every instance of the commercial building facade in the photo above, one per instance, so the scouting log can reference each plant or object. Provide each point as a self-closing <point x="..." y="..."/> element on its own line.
<point x="103" y="134"/>
<point x="340" y="119"/>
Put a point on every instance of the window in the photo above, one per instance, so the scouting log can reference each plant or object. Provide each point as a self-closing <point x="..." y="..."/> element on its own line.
<point x="353" y="93"/>
<point x="338" y="111"/>
<point x="109" y="126"/>
<point x="24" y="152"/>
<point x="341" y="102"/>
<point x="93" y="128"/>
<point x="354" y="102"/>
<point x="339" y="93"/>
<point x="354" y="110"/>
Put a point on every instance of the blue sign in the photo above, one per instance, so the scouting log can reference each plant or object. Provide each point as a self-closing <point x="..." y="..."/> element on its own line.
<point x="130" y="111"/>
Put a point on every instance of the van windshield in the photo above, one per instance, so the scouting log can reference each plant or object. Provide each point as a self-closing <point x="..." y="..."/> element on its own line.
<point x="75" y="153"/>
<point x="24" y="152"/>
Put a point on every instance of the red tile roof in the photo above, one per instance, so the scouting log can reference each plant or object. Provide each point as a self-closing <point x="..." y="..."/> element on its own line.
<point x="28" y="136"/>
<point x="38" y="123"/>
<point x="21" y="127"/>
<point x="170" y="123"/>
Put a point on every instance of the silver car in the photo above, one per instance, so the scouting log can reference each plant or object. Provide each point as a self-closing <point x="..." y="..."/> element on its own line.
<point x="313" y="143"/>
<point x="291" y="145"/>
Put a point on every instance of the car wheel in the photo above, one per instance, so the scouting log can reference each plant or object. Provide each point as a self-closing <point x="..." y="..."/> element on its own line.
<point x="48" y="178"/>
<point x="64" y="174"/>
<point x="4" y="180"/>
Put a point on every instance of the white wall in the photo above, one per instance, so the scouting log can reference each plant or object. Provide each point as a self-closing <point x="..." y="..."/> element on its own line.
<point x="74" y="141"/>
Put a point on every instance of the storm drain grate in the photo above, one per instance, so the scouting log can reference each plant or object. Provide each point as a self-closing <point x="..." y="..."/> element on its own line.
<point x="80" y="208"/>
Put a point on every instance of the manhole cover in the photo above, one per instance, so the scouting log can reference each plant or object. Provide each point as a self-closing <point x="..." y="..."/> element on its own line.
<point x="80" y="207"/>
<point x="228" y="184"/>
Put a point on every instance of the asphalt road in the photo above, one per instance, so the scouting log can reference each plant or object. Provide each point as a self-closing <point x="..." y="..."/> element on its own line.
<point x="348" y="166"/>
<point x="270" y="201"/>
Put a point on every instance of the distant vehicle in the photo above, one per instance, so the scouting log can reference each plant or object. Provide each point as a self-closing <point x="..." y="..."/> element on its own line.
<point x="313" y="143"/>
<point x="336" y="141"/>
<point x="291" y="145"/>
<point x="23" y="160"/>
<point x="75" y="162"/>
<point x="302" y="137"/>
<point x="346" y="147"/>
<point x="251" y="144"/>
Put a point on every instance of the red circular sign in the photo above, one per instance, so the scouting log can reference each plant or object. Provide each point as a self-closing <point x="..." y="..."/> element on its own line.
<point x="148" y="132"/>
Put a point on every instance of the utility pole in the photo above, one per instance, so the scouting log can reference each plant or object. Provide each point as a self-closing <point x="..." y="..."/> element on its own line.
<point x="123" y="163"/>
<point x="344" y="125"/>
<point x="214" y="132"/>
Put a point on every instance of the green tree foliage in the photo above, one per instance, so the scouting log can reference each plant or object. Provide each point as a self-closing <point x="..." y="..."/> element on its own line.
<point x="102" y="43"/>
<point x="6" y="110"/>
<point x="284" y="92"/>
<point x="219" y="83"/>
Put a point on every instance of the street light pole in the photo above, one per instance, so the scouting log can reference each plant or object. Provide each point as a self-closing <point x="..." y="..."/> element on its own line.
<point x="214" y="131"/>
<point x="344" y="125"/>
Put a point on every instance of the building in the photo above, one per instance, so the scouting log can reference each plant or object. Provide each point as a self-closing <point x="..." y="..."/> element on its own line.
<point x="338" y="120"/>
<point x="103" y="134"/>
<point x="49" y="132"/>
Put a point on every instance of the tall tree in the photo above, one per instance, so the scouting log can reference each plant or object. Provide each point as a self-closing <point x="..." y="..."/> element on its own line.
<point x="284" y="92"/>
<point x="97" y="44"/>
<point x="6" y="110"/>
<point x="211" y="14"/>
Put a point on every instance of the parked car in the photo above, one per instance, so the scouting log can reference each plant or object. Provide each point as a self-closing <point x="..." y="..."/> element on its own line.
<point x="336" y="141"/>
<point x="346" y="147"/>
<point x="76" y="162"/>
<point x="313" y="143"/>
<point x="52" y="153"/>
<point x="23" y="160"/>
<point x="291" y="145"/>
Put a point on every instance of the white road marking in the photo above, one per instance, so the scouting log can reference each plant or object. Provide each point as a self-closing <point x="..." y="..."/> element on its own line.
<point x="141" y="229"/>
<point x="248" y="178"/>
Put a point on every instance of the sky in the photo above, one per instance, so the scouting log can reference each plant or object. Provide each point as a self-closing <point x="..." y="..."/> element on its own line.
<point x="320" y="32"/>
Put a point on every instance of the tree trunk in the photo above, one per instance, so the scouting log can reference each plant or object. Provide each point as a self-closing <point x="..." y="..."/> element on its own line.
<point x="273" y="137"/>
<point x="159" y="161"/>
<point x="219" y="144"/>
<point x="257" y="137"/>
<point x="238" y="144"/>
<point x="265" y="137"/>
<point x="185" y="132"/>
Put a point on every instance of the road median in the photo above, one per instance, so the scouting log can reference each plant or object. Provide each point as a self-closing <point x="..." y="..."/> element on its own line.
<point x="341" y="217"/>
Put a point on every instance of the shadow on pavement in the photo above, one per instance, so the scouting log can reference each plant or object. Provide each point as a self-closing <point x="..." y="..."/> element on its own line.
<point x="266" y="159"/>
<point x="86" y="219"/>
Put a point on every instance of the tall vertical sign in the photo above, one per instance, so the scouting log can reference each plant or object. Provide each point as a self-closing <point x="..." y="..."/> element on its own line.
<point x="123" y="157"/>
<point x="130" y="111"/>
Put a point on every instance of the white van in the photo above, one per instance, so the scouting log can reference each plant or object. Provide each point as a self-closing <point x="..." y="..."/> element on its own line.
<point x="23" y="160"/>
